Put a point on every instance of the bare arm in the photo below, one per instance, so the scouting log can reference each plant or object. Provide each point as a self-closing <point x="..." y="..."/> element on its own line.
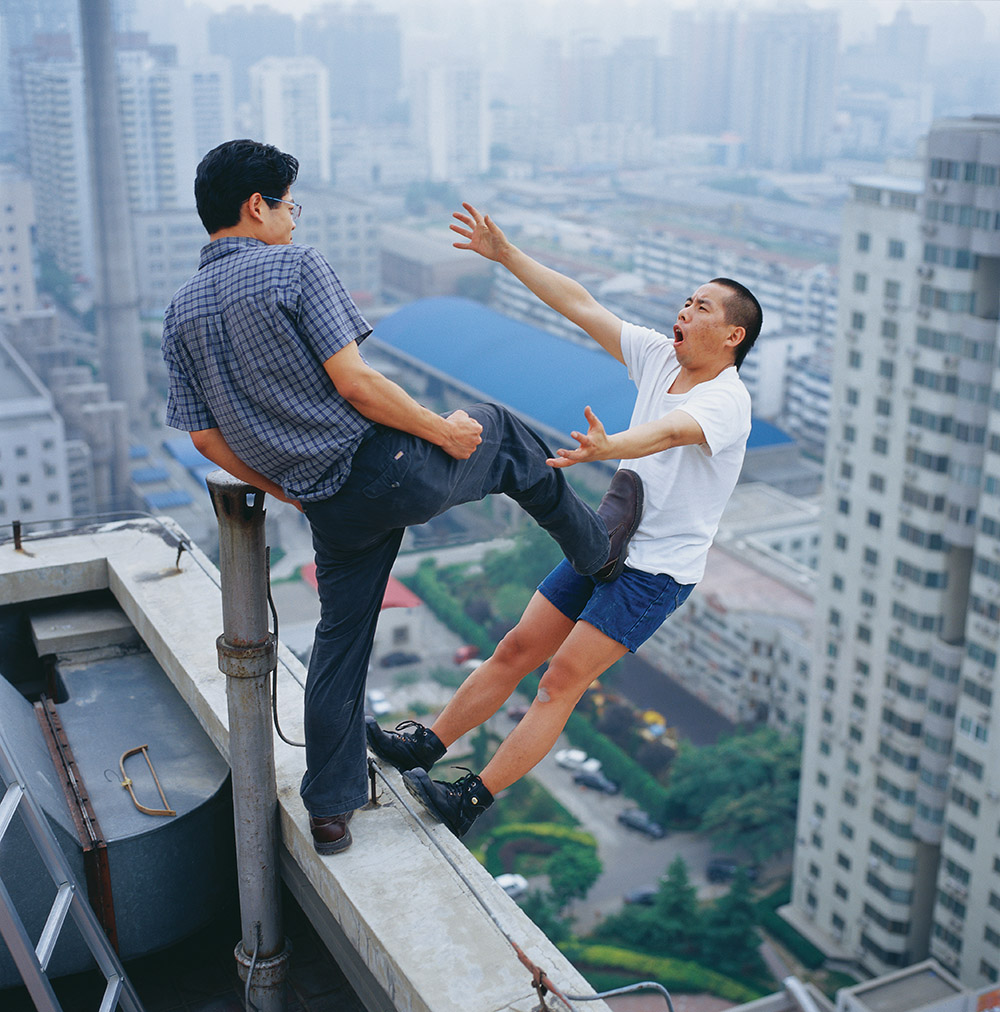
<point x="212" y="444"/>
<point x="563" y="294"/>
<point x="377" y="397"/>
<point x="677" y="428"/>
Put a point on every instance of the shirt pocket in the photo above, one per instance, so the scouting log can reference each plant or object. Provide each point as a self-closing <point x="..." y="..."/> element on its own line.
<point x="390" y="476"/>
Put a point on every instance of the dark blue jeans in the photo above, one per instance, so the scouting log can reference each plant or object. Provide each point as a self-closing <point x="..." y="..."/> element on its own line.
<point x="397" y="480"/>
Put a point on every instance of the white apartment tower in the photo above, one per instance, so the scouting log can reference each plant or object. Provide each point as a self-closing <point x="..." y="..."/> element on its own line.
<point x="898" y="852"/>
<point x="170" y="116"/>
<point x="292" y="98"/>
<point x="452" y="122"/>
<point x="33" y="469"/>
<point x="17" y="218"/>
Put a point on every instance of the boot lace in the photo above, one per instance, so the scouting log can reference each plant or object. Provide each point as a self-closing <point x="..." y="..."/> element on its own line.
<point x="418" y="734"/>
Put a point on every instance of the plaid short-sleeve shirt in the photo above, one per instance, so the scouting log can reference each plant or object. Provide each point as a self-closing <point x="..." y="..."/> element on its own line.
<point x="245" y="341"/>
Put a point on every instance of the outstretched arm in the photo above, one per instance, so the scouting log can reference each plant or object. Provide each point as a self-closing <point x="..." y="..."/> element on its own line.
<point x="563" y="294"/>
<point x="677" y="428"/>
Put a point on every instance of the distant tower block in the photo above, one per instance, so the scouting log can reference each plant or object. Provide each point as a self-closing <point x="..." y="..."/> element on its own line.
<point x="117" y="298"/>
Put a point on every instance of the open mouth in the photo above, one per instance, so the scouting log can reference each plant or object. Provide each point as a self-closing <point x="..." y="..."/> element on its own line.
<point x="678" y="335"/>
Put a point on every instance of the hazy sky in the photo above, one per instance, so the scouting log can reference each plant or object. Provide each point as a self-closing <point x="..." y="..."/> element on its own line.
<point x="857" y="21"/>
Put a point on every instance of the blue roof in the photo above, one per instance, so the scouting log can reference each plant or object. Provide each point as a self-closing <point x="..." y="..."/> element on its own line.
<point x="165" y="500"/>
<point x="532" y="371"/>
<point x="537" y="374"/>
<point x="181" y="448"/>
<point x="153" y="472"/>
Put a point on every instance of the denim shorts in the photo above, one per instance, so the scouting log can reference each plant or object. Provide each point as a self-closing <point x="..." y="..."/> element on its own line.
<point x="628" y="610"/>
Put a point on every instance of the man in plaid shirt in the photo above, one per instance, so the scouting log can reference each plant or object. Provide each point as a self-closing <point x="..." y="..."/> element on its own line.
<point x="262" y="350"/>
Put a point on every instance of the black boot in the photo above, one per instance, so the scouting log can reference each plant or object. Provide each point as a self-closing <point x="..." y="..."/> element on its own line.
<point x="405" y="750"/>
<point x="621" y="511"/>
<point x="457" y="805"/>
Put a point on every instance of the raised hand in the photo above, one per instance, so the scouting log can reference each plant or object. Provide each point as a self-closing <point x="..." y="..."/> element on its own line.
<point x="484" y="237"/>
<point x="594" y="444"/>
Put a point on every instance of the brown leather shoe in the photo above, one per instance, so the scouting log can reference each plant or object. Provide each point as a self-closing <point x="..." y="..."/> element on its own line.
<point x="330" y="834"/>
<point x="621" y="511"/>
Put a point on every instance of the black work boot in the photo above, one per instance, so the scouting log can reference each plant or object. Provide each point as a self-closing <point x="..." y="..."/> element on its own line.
<point x="457" y="805"/>
<point x="405" y="750"/>
<point x="621" y="511"/>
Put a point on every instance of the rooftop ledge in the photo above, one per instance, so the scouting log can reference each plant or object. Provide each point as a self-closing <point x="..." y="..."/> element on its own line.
<point x="406" y="928"/>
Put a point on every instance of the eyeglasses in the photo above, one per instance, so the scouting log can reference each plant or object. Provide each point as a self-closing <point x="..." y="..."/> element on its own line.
<point x="296" y="208"/>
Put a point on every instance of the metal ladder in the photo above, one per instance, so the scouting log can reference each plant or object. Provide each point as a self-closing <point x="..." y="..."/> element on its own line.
<point x="32" y="960"/>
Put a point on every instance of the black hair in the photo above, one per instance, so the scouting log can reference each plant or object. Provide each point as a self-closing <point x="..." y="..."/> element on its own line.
<point x="742" y="310"/>
<point x="235" y="170"/>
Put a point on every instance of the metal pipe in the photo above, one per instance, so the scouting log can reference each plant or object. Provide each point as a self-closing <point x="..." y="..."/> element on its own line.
<point x="247" y="652"/>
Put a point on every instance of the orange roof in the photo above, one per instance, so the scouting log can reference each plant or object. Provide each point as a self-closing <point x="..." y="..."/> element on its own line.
<point x="396" y="595"/>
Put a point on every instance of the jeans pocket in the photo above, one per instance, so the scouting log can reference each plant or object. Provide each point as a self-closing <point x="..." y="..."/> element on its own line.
<point x="391" y="475"/>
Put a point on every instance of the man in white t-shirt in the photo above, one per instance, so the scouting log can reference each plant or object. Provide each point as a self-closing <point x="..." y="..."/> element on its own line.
<point x="685" y="441"/>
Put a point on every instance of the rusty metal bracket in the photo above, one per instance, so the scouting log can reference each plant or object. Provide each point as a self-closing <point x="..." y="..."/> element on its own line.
<point x="127" y="782"/>
<point x="254" y="661"/>
<point x="88" y="829"/>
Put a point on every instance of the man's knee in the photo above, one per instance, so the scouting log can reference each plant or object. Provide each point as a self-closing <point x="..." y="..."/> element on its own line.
<point x="562" y="684"/>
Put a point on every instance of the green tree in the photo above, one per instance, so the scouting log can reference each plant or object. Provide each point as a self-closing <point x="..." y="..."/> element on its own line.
<point x="572" y="870"/>
<point x="510" y="601"/>
<point x="730" y="942"/>
<point x="743" y="791"/>
<point x="676" y="909"/>
<point x="527" y="563"/>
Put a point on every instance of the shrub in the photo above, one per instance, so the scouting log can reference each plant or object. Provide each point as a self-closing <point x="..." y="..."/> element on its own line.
<point x="673" y="974"/>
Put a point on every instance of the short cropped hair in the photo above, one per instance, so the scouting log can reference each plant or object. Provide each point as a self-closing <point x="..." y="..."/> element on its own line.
<point x="742" y="310"/>
<point x="235" y="170"/>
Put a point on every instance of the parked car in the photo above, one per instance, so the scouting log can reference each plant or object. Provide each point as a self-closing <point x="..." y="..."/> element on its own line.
<point x="596" y="781"/>
<point x="515" y="886"/>
<point x="637" y="819"/>
<point x="398" y="658"/>
<point x="644" y="896"/>
<point x="377" y="703"/>
<point x="724" y="869"/>
<point x="576" y="759"/>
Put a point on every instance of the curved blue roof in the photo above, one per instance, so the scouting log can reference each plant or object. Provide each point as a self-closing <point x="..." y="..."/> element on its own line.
<point x="539" y="375"/>
<point x="536" y="373"/>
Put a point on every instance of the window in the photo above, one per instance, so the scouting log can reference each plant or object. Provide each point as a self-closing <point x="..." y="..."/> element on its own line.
<point x="896" y="249"/>
<point x="874" y="519"/>
<point x="854" y="359"/>
<point x="880" y="445"/>
<point x="860" y="282"/>
<point x="864" y="242"/>
<point x="857" y="321"/>
<point x="892" y="290"/>
<point x="876" y="482"/>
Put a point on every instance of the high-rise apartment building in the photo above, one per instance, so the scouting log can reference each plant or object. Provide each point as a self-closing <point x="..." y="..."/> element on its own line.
<point x="171" y="115"/>
<point x="17" y="218"/>
<point x="783" y="87"/>
<point x="451" y="121"/>
<point x="897" y="851"/>
<point x="361" y="49"/>
<point x="33" y="470"/>
<point x="291" y="97"/>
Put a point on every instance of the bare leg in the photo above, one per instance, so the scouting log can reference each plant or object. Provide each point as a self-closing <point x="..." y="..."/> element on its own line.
<point x="584" y="655"/>
<point x="535" y="638"/>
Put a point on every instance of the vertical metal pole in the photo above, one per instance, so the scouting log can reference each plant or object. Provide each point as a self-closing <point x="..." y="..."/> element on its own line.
<point x="247" y="652"/>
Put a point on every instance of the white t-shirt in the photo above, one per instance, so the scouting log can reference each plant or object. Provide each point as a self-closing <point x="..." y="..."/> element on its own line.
<point x="686" y="487"/>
